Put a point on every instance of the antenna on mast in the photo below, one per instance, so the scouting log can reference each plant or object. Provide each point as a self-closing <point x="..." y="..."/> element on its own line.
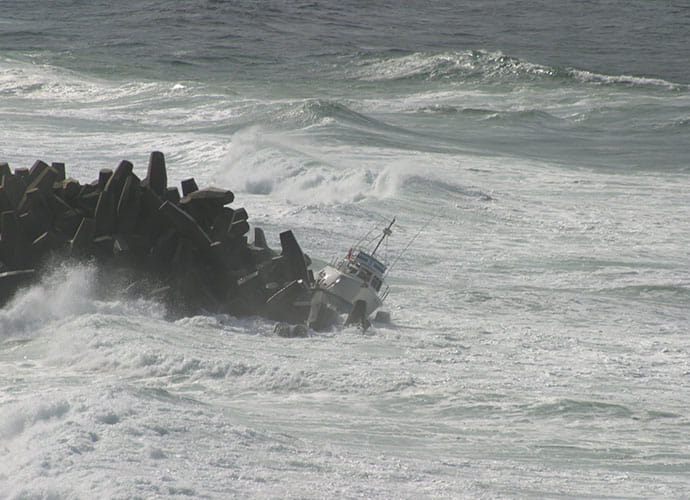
<point x="386" y="232"/>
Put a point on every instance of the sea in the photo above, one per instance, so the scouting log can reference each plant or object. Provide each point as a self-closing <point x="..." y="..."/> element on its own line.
<point x="536" y="158"/>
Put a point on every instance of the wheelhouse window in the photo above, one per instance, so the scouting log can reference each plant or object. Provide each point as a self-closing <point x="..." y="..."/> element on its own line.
<point x="376" y="283"/>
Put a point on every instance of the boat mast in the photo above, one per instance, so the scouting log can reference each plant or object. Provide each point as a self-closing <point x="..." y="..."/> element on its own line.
<point x="386" y="232"/>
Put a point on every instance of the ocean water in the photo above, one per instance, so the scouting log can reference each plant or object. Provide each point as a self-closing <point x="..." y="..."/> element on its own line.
<point x="536" y="156"/>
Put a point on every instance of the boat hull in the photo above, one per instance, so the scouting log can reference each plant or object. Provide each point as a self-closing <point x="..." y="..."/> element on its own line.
<point x="346" y="290"/>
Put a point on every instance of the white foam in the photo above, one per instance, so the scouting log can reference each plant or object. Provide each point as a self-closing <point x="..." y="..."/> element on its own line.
<point x="64" y="293"/>
<point x="293" y="170"/>
<point x="589" y="77"/>
<point x="68" y="292"/>
<point x="446" y="65"/>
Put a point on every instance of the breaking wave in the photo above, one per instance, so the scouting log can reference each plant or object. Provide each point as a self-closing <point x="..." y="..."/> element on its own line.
<point x="67" y="292"/>
<point x="483" y="66"/>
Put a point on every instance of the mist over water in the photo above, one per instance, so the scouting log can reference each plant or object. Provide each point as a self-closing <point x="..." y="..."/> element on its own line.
<point x="535" y="156"/>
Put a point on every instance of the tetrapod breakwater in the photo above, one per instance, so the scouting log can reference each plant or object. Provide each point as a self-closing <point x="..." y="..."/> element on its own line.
<point x="186" y="246"/>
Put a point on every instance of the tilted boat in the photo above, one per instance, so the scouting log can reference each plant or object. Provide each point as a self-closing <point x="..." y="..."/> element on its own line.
<point x="356" y="284"/>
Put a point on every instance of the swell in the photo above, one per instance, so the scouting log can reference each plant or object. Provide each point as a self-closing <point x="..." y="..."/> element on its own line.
<point x="481" y="66"/>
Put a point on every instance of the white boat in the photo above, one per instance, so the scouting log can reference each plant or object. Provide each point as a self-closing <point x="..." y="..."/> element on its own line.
<point x="356" y="284"/>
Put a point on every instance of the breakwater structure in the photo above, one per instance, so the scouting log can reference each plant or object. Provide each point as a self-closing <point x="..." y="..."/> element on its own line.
<point x="189" y="249"/>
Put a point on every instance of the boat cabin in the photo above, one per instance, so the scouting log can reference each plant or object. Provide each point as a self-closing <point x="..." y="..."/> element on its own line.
<point x="367" y="268"/>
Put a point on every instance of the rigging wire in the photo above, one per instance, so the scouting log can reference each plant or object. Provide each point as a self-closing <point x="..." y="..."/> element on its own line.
<point x="426" y="224"/>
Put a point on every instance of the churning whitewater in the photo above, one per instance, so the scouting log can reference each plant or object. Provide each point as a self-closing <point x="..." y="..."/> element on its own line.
<point x="535" y="157"/>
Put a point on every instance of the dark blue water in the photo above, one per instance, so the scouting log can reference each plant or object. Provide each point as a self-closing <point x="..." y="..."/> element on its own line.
<point x="199" y="39"/>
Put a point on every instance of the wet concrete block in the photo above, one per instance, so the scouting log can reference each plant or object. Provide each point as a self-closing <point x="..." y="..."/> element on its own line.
<point x="56" y="202"/>
<point x="36" y="170"/>
<point x="104" y="214"/>
<point x="295" y="257"/>
<point x="67" y="222"/>
<point x="214" y="197"/>
<point x="128" y="206"/>
<point x="104" y="176"/>
<point x="156" y="174"/>
<point x="189" y="186"/>
<point x="382" y="317"/>
<point x="117" y="180"/>
<point x="221" y="224"/>
<point x="14" y="186"/>
<point x="5" y="203"/>
<point x="239" y="215"/>
<point x="183" y="259"/>
<point x="321" y="315"/>
<point x="234" y="259"/>
<point x="129" y="245"/>
<point x="89" y="190"/>
<point x="150" y="201"/>
<point x="14" y="245"/>
<point x="80" y="245"/>
<point x="283" y="330"/>
<point x="44" y="244"/>
<point x="22" y="173"/>
<point x="239" y="229"/>
<point x="172" y="195"/>
<point x="8" y="225"/>
<point x="36" y="216"/>
<point x="164" y="248"/>
<point x="259" y="250"/>
<point x="70" y="189"/>
<point x="10" y="281"/>
<point x="282" y="305"/>
<point x="87" y="201"/>
<point x="185" y="225"/>
<point x="44" y="181"/>
<point x="4" y="170"/>
<point x="260" y="239"/>
<point x="59" y="168"/>
<point x="102" y="246"/>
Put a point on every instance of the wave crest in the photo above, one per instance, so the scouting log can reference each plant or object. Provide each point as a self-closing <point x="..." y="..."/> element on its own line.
<point x="485" y="67"/>
<point x="464" y="65"/>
